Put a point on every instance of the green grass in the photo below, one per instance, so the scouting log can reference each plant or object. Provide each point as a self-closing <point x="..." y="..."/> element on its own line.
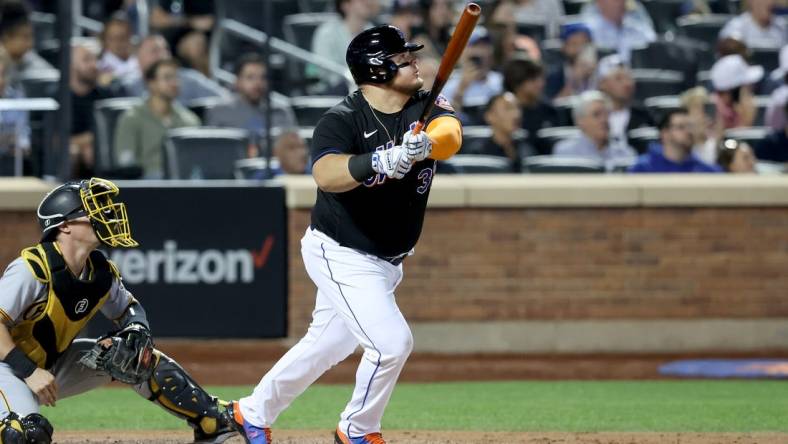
<point x="702" y="406"/>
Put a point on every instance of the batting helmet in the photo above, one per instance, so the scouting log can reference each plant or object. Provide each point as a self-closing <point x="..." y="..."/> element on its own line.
<point x="91" y="198"/>
<point x="369" y="52"/>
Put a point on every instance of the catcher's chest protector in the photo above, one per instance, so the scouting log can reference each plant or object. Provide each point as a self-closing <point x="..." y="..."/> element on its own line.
<point x="49" y="326"/>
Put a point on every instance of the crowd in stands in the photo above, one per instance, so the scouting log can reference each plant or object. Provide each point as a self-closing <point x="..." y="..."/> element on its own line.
<point x="629" y="85"/>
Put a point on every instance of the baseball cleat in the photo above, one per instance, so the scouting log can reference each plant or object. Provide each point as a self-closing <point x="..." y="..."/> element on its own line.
<point x="251" y="433"/>
<point x="369" y="438"/>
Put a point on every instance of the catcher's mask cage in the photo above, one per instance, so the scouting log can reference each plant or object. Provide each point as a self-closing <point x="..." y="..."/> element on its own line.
<point x="92" y="198"/>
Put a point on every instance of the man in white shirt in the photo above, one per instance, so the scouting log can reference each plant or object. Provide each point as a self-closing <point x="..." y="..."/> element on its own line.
<point x="758" y="27"/>
<point x="591" y="113"/>
<point x="613" y="28"/>
<point x="614" y="78"/>
<point x="117" y="59"/>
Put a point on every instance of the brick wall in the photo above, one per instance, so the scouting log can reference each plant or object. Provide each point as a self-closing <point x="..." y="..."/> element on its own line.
<point x="553" y="264"/>
<point x="18" y="229"/>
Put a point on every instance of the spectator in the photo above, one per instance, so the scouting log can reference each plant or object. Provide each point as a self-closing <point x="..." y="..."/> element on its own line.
<point x="673" y="153"/>
<point x="438" y="21"/>
<point x="573" y="75"/>
<point x="476" y="82"/>
<point x="548" y="12"/>
<point x="736" y="157"/>
<point x="615" y="79"/>
<point x="292" y="153"/>
<point x="775" y="115"/>
<point x="612" y="27"/>
<point x="591" y="112"/>
<point x="332" y="38"/>
<point x="16" y="38"/>
<point x="406" y="16"/>
<point x="141" y="131"/>
<point x="193" y="85"/>
<point x="704" y="138"/>
<point x="503" y="116"/>
<point x="247" y="108"/>
<point x="758" y="27"/>
<point x="507" y="42"/>
<point x="186" y="25"/>
<point x="14" y="124"/>
<point x="85" y="91"/>
<point x="525" y="78"/>
<point x="117" y="59"/>
<point x="774" y="147"/>
<point x="732" y="80"/>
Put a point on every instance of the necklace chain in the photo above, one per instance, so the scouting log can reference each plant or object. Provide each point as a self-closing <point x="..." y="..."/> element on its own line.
<point x="380" y="123"/>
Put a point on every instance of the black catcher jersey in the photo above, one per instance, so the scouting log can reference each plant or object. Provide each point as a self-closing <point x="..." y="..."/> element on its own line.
<point x="382" y="216"/>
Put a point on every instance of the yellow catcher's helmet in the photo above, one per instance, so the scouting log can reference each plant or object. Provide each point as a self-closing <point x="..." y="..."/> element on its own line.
<point x="92" y="198"/>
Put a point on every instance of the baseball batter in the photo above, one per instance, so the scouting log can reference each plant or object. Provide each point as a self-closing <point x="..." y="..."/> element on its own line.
<point x="374" y="177"/>
<point x="51" y="292"/>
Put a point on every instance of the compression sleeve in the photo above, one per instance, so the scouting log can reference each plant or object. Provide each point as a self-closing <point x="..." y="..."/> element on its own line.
<point x="446" y="135"/>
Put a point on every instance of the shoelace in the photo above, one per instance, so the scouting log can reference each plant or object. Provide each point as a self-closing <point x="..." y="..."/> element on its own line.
<point x="375" y="438"/>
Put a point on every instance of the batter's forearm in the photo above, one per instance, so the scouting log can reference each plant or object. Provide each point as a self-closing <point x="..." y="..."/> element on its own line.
<point x="332" y="175"/>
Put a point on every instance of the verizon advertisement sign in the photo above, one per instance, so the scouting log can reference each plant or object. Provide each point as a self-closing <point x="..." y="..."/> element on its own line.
<point x="212" y="259"/>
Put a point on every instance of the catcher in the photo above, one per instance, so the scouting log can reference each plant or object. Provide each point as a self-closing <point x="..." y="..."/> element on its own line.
<point x="48" y="295"/>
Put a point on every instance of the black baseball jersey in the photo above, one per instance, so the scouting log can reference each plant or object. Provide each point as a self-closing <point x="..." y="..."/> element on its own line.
<point x="383" y="216"/>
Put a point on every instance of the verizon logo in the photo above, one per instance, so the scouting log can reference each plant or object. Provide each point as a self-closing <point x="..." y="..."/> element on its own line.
<point x="172" y="265"/>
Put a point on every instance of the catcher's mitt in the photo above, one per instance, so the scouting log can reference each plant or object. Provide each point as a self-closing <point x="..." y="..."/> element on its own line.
<point x="126" y="356"/>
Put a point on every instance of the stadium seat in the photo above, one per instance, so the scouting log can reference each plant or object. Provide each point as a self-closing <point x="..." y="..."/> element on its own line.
<point x="44" y="27"/>
<point x="106" y="113"/>
<point x="473" y="137"/>
<point x="640" y="138"/>
<point x="479" y="164"/>
<point x="766" y="57"/>
<point x="200" y="106"/>
<point x="564" y="107"/>
<point x="299" y="28"/>
<point x="704" y="28"/>
<point x="316" y="5"/>
<point x="751" y="135"/>
<point x="548" y="137"/>
<point x="473" y="115"/>
<point x="679" y="54"/>
<point x="254" y="168"/>
<point x="309" y="109"/>
<point x="40" y="83"/>
<point x="661" y="105"/>
<point x="663" y="13"/>
<point x="551" y="52"/>
<point x="573" y="7"/>
<point x="561" y="164"/>
<point x="204" y="152"/>
<point x="657" y="82"/>
<point x="535" y="29"/>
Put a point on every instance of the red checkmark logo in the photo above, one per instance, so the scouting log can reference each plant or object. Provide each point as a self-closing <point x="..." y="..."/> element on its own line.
<point x="261" y="256"/>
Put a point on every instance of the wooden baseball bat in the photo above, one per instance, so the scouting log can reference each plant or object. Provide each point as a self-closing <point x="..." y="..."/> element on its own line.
<point x="457" y="43"/>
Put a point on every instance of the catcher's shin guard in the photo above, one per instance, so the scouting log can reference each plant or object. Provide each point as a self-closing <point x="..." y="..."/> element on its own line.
<point x="32" y="429"/>
<point x="173" y="389"/>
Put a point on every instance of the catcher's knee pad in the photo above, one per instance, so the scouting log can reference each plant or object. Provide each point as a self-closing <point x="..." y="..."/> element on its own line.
<point x="177" y="392"/>
<point x="32" y="429"/>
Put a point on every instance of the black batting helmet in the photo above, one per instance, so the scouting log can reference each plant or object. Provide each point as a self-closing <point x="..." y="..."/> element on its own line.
<point x="369" y="52"/>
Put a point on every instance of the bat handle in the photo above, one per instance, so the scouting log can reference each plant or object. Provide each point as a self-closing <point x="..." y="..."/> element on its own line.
<point x="419" y="126"/>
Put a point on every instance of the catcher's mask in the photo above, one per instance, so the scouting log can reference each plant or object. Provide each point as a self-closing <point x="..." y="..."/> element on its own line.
<point x="91" y="198"/>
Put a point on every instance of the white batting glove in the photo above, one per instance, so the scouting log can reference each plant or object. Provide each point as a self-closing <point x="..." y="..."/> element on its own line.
<point x="393" y="162"/>
<point x="418" y="146"/>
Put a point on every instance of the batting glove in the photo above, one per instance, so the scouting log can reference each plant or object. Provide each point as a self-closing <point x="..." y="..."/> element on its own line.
<point x="393" y="162"/>
<point x="418" y="146"/>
